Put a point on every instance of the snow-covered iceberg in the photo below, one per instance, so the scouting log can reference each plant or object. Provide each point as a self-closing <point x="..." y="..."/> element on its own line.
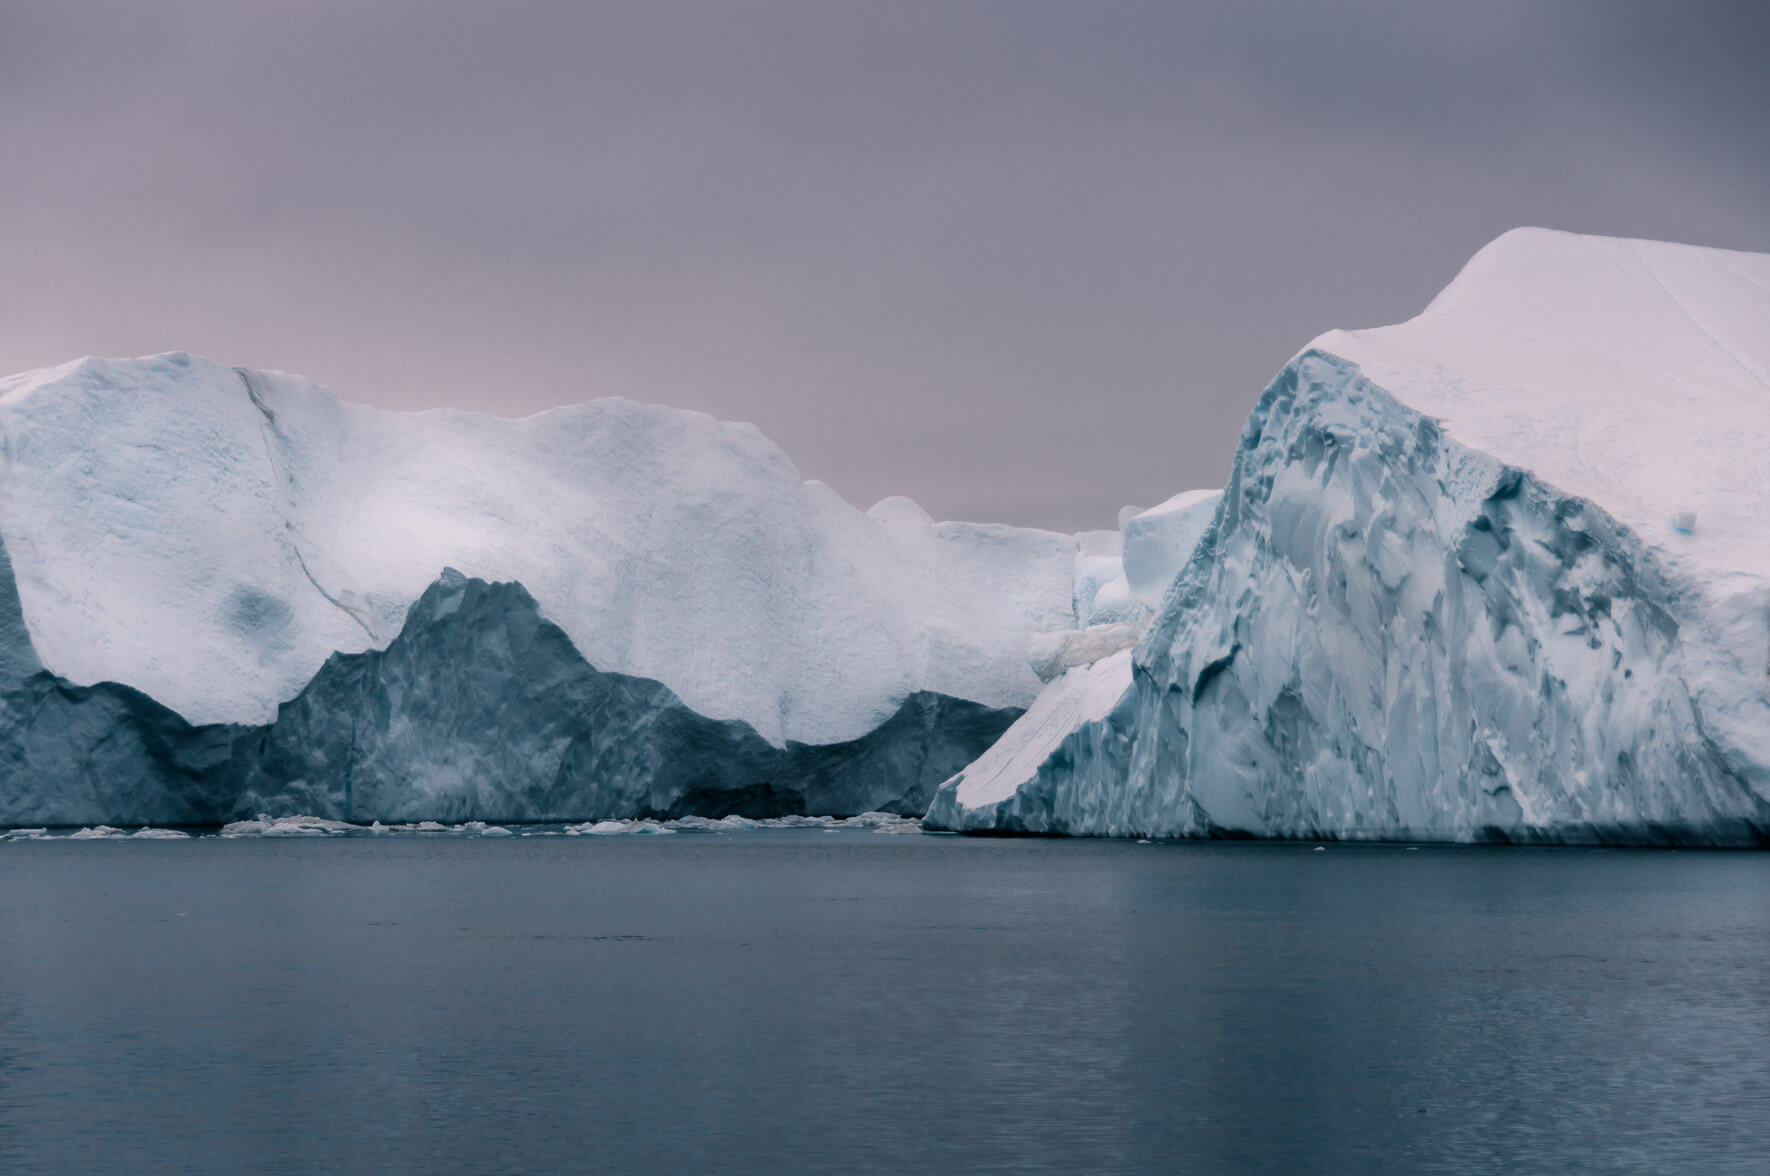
<point x="220" y="595"/>
<point x="1499" y="572"/>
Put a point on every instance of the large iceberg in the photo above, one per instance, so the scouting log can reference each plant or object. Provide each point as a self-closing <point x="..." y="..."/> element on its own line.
<point x="220" y="594"/>
<point x="1501" y="572"/>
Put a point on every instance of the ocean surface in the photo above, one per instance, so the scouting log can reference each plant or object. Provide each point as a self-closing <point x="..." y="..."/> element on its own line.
<point x="787" y="1001"/>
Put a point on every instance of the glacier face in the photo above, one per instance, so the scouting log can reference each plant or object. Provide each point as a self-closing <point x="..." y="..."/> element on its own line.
<point x="1393" y="628"/>
<point x="482" y="710"/>
<point x="479" y="709"/>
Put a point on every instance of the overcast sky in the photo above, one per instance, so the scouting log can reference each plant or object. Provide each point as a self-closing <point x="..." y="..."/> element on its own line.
<point x="1022" y="261"/>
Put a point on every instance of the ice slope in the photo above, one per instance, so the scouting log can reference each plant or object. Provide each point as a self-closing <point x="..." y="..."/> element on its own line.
<point x="1088" y="672"/>
<point x="1007" y="787"/>
<point x="209" y="537"/>
<point x="1497" y="572"/>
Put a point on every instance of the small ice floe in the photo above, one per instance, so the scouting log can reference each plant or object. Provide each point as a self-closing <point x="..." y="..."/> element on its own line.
<point x="710" y="825"/>
<point x="874" y="820"/>
<point x="36" y="834"/>
<point x="266" y="825"/>
<point x="1319" y="849"/>
<point x="796" y="822"/>
<point x="611" y="828"/>
<point x="102" y="833"/>
<point x="481" y="829"/>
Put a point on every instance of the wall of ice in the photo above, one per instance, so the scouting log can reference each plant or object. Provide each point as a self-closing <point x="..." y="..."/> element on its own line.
<point x="479" y="709"/>
<point x="210" y="536"/>
<point x="667" y="619"/>
<point x="1394" y="628"/>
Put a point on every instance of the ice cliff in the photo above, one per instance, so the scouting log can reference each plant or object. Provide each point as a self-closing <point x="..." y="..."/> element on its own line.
<point x="220" y="594"/>
<point x="1501" y="572"/>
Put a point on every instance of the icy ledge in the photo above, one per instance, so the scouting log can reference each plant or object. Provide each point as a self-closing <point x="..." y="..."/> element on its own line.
<point x="1393" y="629"/>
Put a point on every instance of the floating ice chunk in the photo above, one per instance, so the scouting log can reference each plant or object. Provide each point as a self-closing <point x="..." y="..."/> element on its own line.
<point x="159" y="835"/>
<point x="611" y="828"/>
<point x="870" y="820"/>
<point x="694" y="824"/>
<point x="96" y="833"/>
<point x="269" y="826"/>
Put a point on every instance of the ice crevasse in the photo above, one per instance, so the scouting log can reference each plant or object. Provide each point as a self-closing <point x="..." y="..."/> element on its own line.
<point x="1501" y="572"/>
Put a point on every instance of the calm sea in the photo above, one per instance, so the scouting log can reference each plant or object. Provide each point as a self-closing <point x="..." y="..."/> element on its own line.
<point x="800" y="1001"/>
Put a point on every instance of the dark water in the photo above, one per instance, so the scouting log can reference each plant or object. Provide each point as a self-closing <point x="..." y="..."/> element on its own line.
<point x="806" y="1002"/>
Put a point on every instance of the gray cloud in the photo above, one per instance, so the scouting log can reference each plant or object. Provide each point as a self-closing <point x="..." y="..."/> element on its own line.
<point x="1023" y="261"/>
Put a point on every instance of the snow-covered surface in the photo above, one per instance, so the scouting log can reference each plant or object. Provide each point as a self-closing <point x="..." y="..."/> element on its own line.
<point x="1444" y="596"/>
<point x="209" y="536"/>
<point x="1635" y="374"/>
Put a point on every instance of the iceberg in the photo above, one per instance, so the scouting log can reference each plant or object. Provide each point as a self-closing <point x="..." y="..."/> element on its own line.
<point x="1497" y="573"/>
<point x="223" y="593"/>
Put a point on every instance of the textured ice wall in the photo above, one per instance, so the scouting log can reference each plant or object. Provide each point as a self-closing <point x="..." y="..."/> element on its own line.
<point x="1387" y="634"/>
<point x="479" y="709"/>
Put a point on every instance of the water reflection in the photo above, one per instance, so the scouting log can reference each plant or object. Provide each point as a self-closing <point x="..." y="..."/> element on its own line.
<point x="829" y="1003"/>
